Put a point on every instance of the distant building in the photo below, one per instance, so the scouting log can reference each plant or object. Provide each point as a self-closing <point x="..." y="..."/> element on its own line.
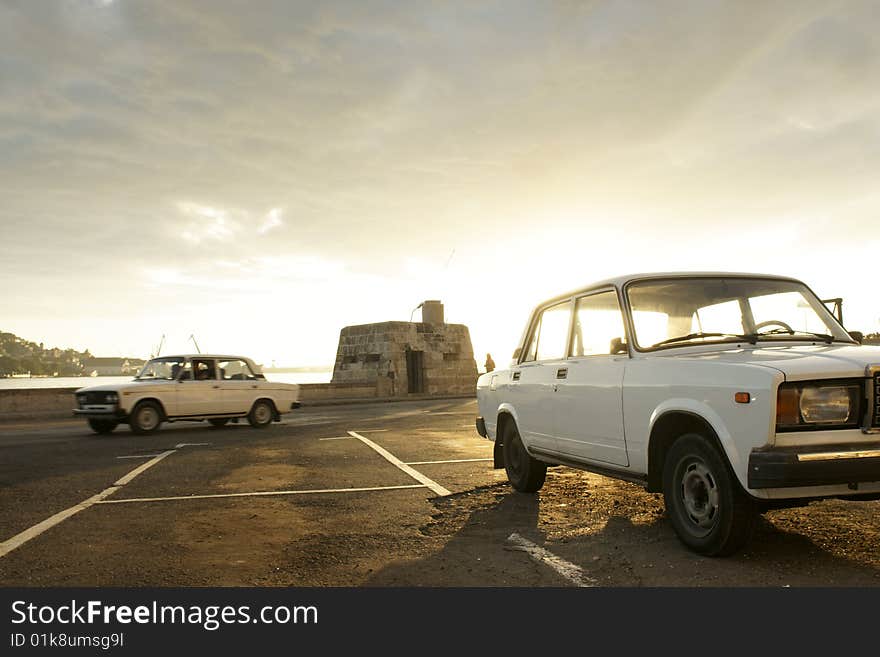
<point x="408" y="358"/>
<point x="112" y="366"/>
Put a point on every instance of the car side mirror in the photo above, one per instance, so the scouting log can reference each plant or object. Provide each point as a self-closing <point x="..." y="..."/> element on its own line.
<point x="858" y="336"/>
<point x="516" y="353"/>
<point x="618" y="346"/>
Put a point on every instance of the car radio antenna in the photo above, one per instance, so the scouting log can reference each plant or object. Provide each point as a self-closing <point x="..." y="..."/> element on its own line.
<point x="193" y="338"/>
<point x="159" y="348"/>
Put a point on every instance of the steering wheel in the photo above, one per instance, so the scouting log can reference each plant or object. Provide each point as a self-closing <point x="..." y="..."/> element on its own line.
<point x="770" y="322"/>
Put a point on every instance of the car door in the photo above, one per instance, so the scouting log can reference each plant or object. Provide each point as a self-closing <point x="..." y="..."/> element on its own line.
<point x="199" y="391"/>
<point x="238" y="384"/>
<point x="589" y="399"/>
<point x="534" y="377"/>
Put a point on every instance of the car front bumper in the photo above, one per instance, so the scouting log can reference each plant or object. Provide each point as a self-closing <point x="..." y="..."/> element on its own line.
<point x="816" y="465"/>
<point x="102" y="412"/>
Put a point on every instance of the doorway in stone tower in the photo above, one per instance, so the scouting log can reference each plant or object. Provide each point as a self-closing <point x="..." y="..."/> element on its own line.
<point x="415" y="371"/>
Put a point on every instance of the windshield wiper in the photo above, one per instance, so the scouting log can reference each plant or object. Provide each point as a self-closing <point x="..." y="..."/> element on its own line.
<point x="822" y="336"/>
<point x="751" y="337"/>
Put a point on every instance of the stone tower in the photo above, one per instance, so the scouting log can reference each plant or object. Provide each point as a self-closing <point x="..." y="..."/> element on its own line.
<point x="429" y="357"/>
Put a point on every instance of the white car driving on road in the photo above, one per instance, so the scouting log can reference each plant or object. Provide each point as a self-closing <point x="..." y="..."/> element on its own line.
<point x="731" y="394"/>
<point x="191" y="387"/>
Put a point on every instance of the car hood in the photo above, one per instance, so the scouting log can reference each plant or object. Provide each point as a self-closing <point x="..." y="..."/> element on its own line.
<point x="141" y="386"/>
<point x="799" y="362"/>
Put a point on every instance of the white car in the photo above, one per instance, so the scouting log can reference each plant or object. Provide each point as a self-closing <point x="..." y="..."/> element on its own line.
<point x="189" y="387"/>
<point x="730" y="393"/>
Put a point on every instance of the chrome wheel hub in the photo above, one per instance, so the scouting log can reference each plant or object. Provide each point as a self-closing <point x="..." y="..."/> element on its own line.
<point x="699" y="494"/>
<point x="262" y="414"/>
<point x="148" y="418"/>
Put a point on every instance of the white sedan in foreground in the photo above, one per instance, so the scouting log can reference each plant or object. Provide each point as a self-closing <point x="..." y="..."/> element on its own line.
<point x="731" y="394"/>
<point x="192" y="387"/>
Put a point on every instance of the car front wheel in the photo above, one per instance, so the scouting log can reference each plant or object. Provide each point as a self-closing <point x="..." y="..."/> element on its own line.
<point x="261" y="414"/>
<point x="103" y="426"/>
<point x="146" y="418"/>
<point x="708" y="509"/>
<point x="526" y="474"/>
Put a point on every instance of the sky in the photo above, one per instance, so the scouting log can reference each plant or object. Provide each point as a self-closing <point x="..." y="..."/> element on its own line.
<point x="259" y="174"/>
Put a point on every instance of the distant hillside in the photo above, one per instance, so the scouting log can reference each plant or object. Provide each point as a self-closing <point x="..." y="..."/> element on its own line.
<point x="18" y="356"/>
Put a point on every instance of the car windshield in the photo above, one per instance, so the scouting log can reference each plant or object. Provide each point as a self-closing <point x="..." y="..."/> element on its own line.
<point x="687" y="311"/>
<point x="161" y="368"/>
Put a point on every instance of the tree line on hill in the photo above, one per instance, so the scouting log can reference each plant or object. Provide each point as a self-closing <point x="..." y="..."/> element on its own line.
<point x="18" y="356"/>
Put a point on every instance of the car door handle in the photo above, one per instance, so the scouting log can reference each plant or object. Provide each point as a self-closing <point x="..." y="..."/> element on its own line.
<point x="562" y="373"/>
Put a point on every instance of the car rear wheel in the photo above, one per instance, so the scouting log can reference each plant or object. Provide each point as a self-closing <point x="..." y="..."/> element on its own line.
<point x="262" y="414"/>
<point x="146" y="418"/>
<point x="526" y="474"/>
<point x="218" y="422"/>
<point x="103" y="426"/>
<point x="708" y="509"/>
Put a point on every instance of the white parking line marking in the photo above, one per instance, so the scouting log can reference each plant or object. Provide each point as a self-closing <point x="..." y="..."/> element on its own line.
<point x="374" y="431"/>
<point x="566" y="569"/>
<point x="138" y="456"/>
<point x="21" y="538"/>
<point x="415" y="474"/>
<point x="142" y="468"/>
<point x="259" y="494"/>
<point x="179" y="445"/>
<point x="337" y="438"/>
<point x="452" y="461"/>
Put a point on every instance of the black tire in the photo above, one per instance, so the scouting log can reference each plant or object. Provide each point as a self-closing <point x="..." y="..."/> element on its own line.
<point x="262" y="413"/>
<point x="708" y="509"/>
<point x="102" y="426"/>
<point x="146" y="418"/>
<point x="217" y="422"/>
<point x="525" y="474"/>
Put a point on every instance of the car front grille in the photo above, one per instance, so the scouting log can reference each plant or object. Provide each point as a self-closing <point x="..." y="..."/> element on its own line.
<point x="92" y="397"/>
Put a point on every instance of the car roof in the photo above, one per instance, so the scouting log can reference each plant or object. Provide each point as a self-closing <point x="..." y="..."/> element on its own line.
<point x="620" y="281"/>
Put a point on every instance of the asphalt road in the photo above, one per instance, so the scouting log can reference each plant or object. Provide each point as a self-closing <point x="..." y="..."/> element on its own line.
<point x="196" y="506"/>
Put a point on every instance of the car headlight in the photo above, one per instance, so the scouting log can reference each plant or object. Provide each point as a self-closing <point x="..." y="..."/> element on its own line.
<point x="819" y="404"/>
<point x="82" y="399"/>
<point x="111" y="398"/>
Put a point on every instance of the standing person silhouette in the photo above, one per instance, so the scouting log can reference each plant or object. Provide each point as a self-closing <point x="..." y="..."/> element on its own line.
<point x="490" y="364"/>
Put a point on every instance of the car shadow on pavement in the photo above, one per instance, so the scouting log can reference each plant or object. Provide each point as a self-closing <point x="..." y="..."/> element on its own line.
<point x="619" y="546"/>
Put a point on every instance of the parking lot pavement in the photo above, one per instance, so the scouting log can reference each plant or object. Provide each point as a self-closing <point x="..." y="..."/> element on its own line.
<point x="378" y="494"/>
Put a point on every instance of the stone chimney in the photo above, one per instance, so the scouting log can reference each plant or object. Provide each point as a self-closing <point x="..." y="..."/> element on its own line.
<point x="432" y="312"/>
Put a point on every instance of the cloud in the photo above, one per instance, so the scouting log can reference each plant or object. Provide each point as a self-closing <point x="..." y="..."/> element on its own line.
<point x="131" y="132"/>
<point x="273" y="220"/>
<point x="207" y="223"/>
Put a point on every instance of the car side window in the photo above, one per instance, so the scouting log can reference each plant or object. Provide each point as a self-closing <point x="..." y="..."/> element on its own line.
<point x="598" y="326"/>
<point x="204" y="369"/>
<point x="550" y="334"/>
<point x="531" y="352"/>
<point x="235" y="370"/>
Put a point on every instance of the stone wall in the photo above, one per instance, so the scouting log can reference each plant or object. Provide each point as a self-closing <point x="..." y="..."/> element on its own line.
<point x="377" y="354"/>
<point x="35" y="404"/>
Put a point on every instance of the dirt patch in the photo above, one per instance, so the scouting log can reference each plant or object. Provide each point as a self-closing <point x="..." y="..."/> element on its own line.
<point x="215" y="549"/>
<point x="262" y="477"/>
<point x="619" y="535"/>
